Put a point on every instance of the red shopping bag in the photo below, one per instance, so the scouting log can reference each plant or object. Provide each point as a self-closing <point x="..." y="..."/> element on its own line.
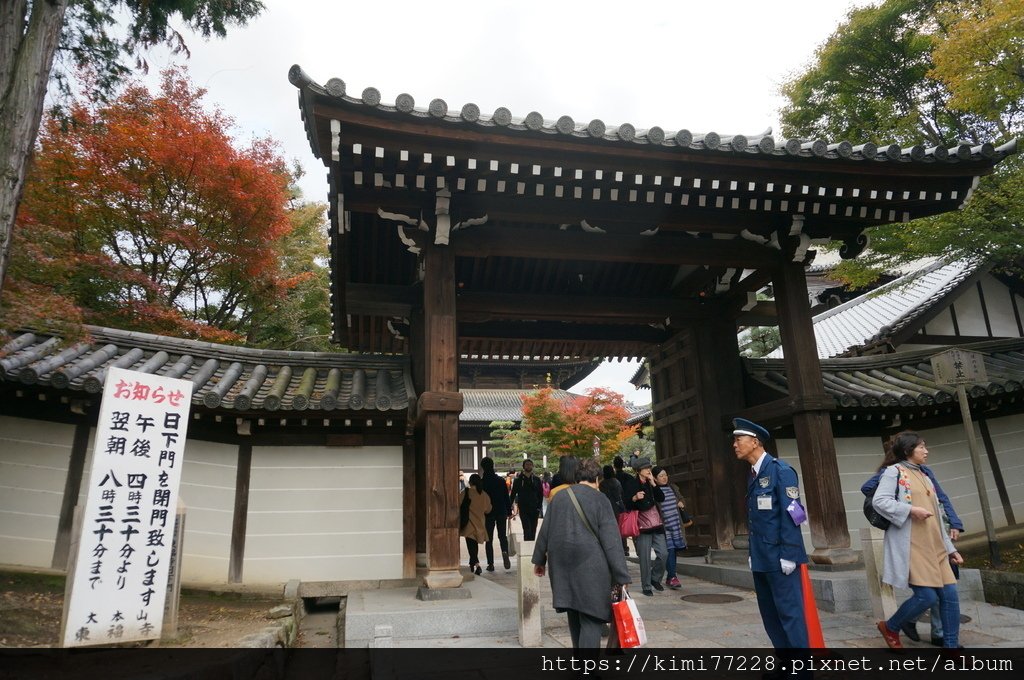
<point x="628" y="625"/>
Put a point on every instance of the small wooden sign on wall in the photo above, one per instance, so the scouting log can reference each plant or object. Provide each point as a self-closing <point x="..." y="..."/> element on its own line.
<point x="958" y="367"/>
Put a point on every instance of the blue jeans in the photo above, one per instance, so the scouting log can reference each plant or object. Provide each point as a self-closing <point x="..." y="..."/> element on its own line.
<point x="670" y="564"/>
<point x="922" y="599"/>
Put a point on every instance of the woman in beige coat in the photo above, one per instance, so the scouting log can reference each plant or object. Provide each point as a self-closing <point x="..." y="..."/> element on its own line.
<point x="474" y="530"/>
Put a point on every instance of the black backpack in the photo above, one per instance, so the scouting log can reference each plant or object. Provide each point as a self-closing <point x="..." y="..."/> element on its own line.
<point x="874" y="519"/>
<point x="872" y="515"/>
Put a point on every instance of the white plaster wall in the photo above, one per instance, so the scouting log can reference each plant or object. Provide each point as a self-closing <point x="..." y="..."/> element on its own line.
<point x="320" y="514"/>
<point x="858" y="458"/>
<point x="969" y="315"/>
<point x="1000" y="308"/>
<point x="34" y="458"/>
<point x="942" y="324"/>
<point x="208" y="492"/>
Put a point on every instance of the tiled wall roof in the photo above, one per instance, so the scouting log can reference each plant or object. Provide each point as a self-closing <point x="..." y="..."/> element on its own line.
<point x="224" y="377"/>
<point x="904" y="379"/>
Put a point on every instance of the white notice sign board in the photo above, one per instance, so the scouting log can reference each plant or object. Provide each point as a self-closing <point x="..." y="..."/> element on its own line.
<point x="959" y="367"/>
<point x="124" y="551"/>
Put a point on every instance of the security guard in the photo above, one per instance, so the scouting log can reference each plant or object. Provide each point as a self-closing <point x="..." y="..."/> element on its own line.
<point x="774" y="514"/>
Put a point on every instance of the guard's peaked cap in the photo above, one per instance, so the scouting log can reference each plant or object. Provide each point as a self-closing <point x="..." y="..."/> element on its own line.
<point x="743" y="426"/>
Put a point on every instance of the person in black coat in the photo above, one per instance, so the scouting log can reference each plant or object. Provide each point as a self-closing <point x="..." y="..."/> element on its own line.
<point x="501" y="510"/>
<point x="645" y="496"/>
<point x="624" y="478"/>
<point x="528" y="493"/>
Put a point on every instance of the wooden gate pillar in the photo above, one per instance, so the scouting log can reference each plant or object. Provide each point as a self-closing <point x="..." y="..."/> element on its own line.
<point x="820" y="481"/>
<point x="439" y="407"/>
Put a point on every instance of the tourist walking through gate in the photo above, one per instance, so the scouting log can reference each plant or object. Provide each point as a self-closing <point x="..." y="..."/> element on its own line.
<point x="917" y="551"/>
<point x="644" y="496"/>
<point x="475" y="528"/>
<point x="578" y="546"/>
<point x="528" y="494"/>
<point x="672" y="514"/>
<point x="500" y="512"/>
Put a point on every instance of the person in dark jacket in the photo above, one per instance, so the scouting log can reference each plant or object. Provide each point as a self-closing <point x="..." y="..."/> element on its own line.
<point x="623" y="478"/>
<point x="645" y="496"/>
<point x="528" y="494"/>
<point x="501" y="510"/>
<point x="956" y="527"/>
<point x="580" y="551"/>
<point x="611" y="488"/>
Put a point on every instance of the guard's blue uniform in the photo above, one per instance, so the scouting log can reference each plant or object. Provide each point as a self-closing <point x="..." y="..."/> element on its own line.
<point x="774" y="537"/>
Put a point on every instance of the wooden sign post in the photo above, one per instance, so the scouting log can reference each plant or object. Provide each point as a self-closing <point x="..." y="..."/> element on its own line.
<point x="962" y="367"/>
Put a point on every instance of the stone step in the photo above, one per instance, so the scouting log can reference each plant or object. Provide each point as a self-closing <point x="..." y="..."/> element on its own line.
<point x="491" y="609"/>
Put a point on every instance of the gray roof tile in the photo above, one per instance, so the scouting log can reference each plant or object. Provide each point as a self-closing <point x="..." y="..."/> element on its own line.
<point x="225" y="377"/>
<point x="627" y="134"/>
<point x="882" y="312"/>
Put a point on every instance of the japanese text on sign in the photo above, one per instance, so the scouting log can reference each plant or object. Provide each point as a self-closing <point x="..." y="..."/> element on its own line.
<point x="124" y="550"/>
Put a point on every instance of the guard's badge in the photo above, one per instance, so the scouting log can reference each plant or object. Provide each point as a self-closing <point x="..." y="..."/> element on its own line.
<point x="764" y="482"/>
<point x="792" y="492"/>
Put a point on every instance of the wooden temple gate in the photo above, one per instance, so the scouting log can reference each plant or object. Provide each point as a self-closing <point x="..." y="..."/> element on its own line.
<point x="466" y="235"/>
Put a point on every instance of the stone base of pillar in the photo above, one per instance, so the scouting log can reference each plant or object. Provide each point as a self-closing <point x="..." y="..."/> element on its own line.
<point x="442" y="579"/>
<point x="434" y="594"/>
<point x="421" y="560"/>
<point x="740" y="542"/>
<point x="835" y="557"/>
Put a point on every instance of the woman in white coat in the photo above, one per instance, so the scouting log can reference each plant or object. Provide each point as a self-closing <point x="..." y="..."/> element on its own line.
<point x="918" y="551"/>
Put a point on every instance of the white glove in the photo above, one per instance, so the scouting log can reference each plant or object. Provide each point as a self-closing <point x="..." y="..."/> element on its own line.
<point x="787" y="566"/>
<point x="750" y="563"/>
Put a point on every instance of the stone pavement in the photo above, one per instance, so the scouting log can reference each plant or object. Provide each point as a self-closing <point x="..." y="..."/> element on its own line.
<point x="675" y="622"/>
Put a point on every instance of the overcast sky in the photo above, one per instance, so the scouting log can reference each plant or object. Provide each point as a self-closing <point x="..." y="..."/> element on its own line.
<point x="703" y="66"/>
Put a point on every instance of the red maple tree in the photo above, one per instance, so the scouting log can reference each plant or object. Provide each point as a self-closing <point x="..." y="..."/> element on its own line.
<point x="571" y="426"/>
<point x="144" y="213"/>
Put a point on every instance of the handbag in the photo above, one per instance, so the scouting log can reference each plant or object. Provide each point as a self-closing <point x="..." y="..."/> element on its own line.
<point x="629" y="627"/>
<point x="629" y="526"/>
<point x="649" y="518"/>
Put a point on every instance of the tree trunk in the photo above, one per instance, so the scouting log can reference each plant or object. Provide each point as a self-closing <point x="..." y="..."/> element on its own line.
<point x="26" y="57"/>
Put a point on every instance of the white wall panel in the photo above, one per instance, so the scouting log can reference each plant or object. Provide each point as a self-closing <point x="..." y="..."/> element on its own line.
<point x="34" y="458"/>
<point x="1000" y="308"/>
<point x="319" y="514"/>
<point x="208" y="491"/>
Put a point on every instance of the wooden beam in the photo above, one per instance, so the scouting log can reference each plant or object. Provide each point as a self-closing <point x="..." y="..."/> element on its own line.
<point x="552" y="331"/>
<point x="241" y="513"/>
<point x="380" y="300"/>
<point x="546" y="244"/>
<point x="72" y="489"/>
<point x="764" y="313"/>
<point x="480" y="307"/>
